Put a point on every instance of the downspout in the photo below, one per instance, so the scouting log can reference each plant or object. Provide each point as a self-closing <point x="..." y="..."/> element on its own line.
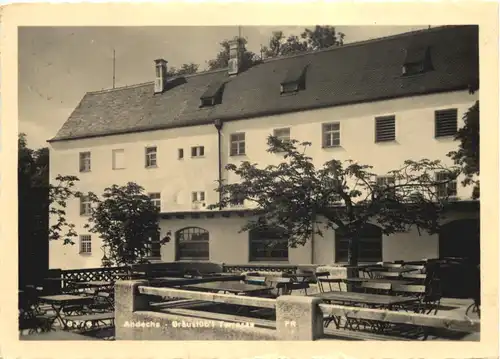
<point x="218" y="125"/>
<point x="312" y="238"/>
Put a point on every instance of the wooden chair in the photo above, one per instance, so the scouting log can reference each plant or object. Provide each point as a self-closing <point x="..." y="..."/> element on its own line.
<point x="422" y="305"/>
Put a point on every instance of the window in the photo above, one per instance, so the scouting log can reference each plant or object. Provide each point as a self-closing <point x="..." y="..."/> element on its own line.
<point x="192" y="244"/>
<point x="197" y="196"/>
<point x="85" y="244"/>
<point x="294" y="80"/>
<point x="118" y="159"/>
<point x="181" y="153"/>
<point x="156" y="199"/>
<point x="386" y="181"/>
<point x="385" y="128"/>
<point x="331" y="134"/>
<point x="417" y="61"/>
<point x="448" y="187"/>
<point x="282" y="134"/>
<point x="85" y="206"/>
<point x="237" y="199"/>
<point x="445" y="122"/>
<point x="268" y="244"/>
<point x="237" y="144"/>
<point x="369" y="245"/>
<point x="84" y="161"/>
<point x="151" y="160"/>
<point x="198" y="151"/>
<point x="153" y="246"/>
<point x="334" y="198"/>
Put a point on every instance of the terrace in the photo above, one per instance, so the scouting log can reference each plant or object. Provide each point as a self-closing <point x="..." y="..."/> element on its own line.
<point x="172" y="301"/>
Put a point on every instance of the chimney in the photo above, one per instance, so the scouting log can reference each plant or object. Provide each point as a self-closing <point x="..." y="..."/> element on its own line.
<point x="161" y="75"/>
<point x="236" y="49"/>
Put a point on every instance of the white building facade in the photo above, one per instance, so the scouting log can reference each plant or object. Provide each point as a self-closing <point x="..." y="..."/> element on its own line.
<point x="179" y="165"/>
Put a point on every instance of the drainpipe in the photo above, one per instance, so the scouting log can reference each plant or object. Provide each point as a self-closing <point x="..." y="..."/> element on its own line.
<point x="218" y="126"/>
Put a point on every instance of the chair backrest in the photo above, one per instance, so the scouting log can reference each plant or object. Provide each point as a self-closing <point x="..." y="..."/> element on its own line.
<point x="376" y="286"/>
<point x="409" y="289"/>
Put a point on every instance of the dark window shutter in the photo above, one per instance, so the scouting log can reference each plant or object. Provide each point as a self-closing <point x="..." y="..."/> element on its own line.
<point x="385" y="128"/>
<point x="446" y="122"/>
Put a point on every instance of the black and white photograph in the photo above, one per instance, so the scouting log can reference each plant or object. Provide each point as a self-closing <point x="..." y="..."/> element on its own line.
<point x="250" y="183"/>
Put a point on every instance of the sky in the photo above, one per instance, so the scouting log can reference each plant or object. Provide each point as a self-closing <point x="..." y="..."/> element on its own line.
<point x="58" y="65"/>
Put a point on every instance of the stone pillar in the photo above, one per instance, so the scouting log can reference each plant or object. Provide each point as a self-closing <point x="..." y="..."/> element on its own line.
<point x="127" y="301"/>
<point x="298" y="318"/>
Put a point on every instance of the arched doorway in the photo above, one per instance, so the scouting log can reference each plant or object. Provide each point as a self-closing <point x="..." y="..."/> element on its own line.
<point x="460" y="238"/>
<point x="192" y="244"/>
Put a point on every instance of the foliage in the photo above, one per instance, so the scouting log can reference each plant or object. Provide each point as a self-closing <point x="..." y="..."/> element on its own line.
<point x="321" y="37"/>
<point x="221" y="60"/>
<point x="36" y="200"/>
<point x="467" y="155"/>
<point x="125" y="218"/>
<point x="296" y="196"/>
<point x="59" y="195"/>
<point x="186" y="69"/>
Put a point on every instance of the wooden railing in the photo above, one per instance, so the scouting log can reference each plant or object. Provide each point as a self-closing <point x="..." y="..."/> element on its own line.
<point x="239" y="268"/>
<point x="92" y="274"/>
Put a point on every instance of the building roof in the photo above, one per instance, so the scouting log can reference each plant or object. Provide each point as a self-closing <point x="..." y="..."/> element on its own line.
<point x="358" y="72"/>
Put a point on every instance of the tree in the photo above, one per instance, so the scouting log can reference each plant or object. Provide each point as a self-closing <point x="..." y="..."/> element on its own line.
<point x="125" y="219"/>
<point x="36" y="200"/>
<point x="467" y="155"/>
<point x="298" y="197"/>
<point x="221" y="61"/>
<point x="186" y="69"/>
<point x="321" y="37"/>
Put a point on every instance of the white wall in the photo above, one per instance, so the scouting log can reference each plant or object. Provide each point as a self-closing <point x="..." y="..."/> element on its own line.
<point x="175" y="179"/>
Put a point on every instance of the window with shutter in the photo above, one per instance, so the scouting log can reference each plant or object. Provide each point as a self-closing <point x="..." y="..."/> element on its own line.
<point x="448" y="185"/>
<point x="446" y="122"/>
<point x="385" y="128"/>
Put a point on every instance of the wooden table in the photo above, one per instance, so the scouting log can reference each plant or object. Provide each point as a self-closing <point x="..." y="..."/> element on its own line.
<point x="377" y="300"/>
<point x="60" y="301"/>
<point x="230" y="287"/>
<point x="365" y="298"/>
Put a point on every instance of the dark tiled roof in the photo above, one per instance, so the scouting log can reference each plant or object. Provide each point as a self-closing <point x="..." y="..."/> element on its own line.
<point x="359" y="72"/>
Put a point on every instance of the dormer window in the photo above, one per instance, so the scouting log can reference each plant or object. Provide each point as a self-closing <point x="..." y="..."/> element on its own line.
<point x="417" y="61"/>
<point x="294" y="80"/>
<point x="213" y="94"/>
